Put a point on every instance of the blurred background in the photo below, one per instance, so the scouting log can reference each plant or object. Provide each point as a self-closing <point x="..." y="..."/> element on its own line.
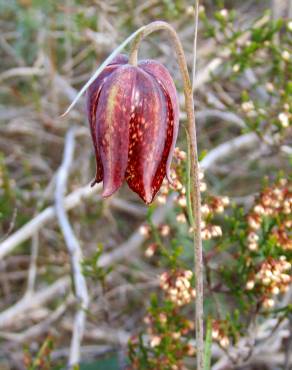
<point x="48" y="50"/>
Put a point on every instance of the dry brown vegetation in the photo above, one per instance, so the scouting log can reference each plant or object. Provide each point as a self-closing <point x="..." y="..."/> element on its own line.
<point x="48" y="50"/>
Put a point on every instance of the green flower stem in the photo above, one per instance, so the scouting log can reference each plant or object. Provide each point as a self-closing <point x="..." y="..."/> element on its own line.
<point x="194" y="169"/>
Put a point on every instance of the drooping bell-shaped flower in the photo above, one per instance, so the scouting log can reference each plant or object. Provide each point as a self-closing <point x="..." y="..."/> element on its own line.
<point x="133" y="114"/>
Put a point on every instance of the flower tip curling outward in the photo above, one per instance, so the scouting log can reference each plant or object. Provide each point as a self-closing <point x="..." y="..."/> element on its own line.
<point x="134" y="115"/>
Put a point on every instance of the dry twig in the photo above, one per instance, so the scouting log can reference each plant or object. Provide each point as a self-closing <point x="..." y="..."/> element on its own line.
<point x="74" y="249"/>
<point x="27" y="303"/>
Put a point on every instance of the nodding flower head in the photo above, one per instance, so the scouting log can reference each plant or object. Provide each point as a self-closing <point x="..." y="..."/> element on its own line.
<point x="133" y="114"/>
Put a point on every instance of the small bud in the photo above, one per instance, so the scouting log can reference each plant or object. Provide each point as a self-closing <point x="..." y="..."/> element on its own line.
<point x="285" y="55"/>
<point x="173" y="292"/>
<point x="275" y="290"/>
<point x="236" y="68"/>
<point x="270" y="87"/>
<point x="252" y="246"/>
<point x="186" y="283"/>
<point x="286" y="266"/>
<point x="155" y="341"/>
<point x="201" y="174"/>
<point x="266" y="281"/>
<point x="191" y="351"/>
<point x="269" y="274"/>
<point x="190" y="10"/>
<point x="144" y="230"/>
<point x="224" y="13"/>
<point x="254" y="223"/>
<point x="220" y="209"/>
<point x="188" y="274"/>
<point x="225" y="200"/>
<point x="150" y="251"/>
<point x="252" y="237"/>
<point x="202" y="9"/>
<point x="147" y="320"/>
<point x="268" y="303"/>
<point x="206" y="234"/>
<point x="161" y="199"/>
<point x="250" y="285"/>
<point x="215" y="334"/>
<point x="216" y="231"/>
<point x="224" y="342"/>
<point x="163" y="277"/>
<point x="247" y="106"/>
<point x="164" y="230"/>
<point x="193" y="293"/>
<point x="205" y="209"/>
<point x="284" y="119"/>
<point x="182" y="201"/>
<point x="285" y="278"/>
<point x="180" y="154"/>
<point x="181" y="218"/>
<point x="162" y="318"/>
<point x="258" y="209"/>
<point x="179" y="284"/>
<point x="176" y="335"/>
<point x="203" y="187"/>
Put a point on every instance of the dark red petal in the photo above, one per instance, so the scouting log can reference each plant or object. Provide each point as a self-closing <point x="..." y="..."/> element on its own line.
<point x="95" y="87"/>
<point x="163" y="77"/>
<point x="119" y="59"/>
<point x="93" y="94"/>
<point x="151" y="132"/>
<point x="112" y="126"/>
<point x="164" y="165"/>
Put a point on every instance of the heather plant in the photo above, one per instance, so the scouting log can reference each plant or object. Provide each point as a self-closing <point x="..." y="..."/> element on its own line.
<point x="110" y="283"/>
<point x="251" y="247"/>
<point x="248" y="263"/>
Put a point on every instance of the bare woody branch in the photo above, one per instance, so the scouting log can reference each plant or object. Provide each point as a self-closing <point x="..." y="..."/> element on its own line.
<point x="73" y="248"/>
<point x="35" y="300"/>
<point x="47" y="215"/>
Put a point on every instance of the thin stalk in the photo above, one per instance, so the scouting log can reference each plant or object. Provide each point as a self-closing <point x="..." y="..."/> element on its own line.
<point x="195" y="45"/>
<point x="194" y="171"/>
<point x="188" y="193"/>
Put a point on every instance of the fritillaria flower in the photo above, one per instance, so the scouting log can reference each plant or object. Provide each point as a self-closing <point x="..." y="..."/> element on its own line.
<point x="133" y="115"/>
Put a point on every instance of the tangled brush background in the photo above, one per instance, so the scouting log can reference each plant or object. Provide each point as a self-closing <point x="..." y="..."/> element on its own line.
<point x="131" y="305"/>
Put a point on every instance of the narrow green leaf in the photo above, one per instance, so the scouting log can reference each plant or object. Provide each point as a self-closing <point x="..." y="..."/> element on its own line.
<point x="208" y="345"/>
<point x="189" y="201"/>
